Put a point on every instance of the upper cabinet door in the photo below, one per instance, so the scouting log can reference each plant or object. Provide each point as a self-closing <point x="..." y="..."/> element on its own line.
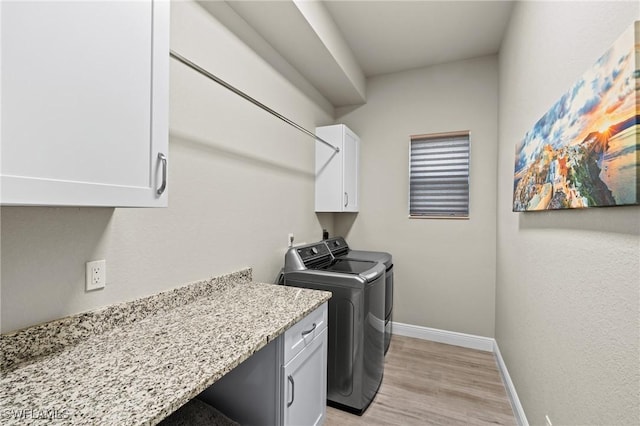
<point x="337" y="172"/>
<point x="85" y="103"/>
<point x="351" y="170"/>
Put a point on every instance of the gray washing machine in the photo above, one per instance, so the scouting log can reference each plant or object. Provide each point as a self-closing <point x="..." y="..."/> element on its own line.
<point x="355" y="358"/>
<point x="340" y="250"/>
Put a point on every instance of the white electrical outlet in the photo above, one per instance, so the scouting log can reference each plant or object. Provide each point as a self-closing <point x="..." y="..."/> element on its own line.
<point x="547" y="420"/>
<point x="96" y="276"/>
<point x="290" y="239"/>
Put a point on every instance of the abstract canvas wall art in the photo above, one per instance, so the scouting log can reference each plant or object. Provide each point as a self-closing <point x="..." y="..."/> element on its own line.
<point x="584" y="152"/>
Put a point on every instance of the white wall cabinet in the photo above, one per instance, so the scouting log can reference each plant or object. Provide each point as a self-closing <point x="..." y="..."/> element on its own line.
<point x="337" y="172"/>
<point x="285" y="383"/>
<point x="84" y="93"/>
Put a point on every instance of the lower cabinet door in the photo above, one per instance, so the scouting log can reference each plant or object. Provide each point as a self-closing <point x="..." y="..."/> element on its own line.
<point x="305" y="385"/>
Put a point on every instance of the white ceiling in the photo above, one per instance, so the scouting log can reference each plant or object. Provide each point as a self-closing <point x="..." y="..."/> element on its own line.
<point x="328" y="48"/>
<point x="391" y="36"/>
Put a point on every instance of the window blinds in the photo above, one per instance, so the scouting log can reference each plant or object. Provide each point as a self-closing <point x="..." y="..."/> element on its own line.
<point x="439" y="175"/>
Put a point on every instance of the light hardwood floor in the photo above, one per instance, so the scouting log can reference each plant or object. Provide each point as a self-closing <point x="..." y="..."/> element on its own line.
<point x="428" y="383"/>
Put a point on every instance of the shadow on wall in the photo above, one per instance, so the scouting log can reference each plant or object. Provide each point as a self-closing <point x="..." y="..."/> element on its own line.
<point x="621" y="219"/>
<point x="342" y="111"/>
<point x="49" y="245"/>
<point x="224" y="152"/>
<point x="327" y="222"/>
<point x="343" y="224"/>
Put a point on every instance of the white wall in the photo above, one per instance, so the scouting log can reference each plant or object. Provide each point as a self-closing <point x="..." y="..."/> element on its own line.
<point x="568" y="282"/>
<point x="444" y="269"/>
<point x="239" y="181"/>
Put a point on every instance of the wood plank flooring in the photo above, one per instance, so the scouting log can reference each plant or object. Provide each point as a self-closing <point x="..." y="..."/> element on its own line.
<point x="428" y="383"/>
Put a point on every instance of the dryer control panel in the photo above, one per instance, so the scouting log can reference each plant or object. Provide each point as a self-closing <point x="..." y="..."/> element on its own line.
<point x="338" y="246"/>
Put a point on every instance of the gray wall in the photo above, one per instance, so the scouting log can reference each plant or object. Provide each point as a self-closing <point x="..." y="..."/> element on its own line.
<point x="445" y="269"/>
<point x="568" y="282"/>
<point x="239" y="182"/>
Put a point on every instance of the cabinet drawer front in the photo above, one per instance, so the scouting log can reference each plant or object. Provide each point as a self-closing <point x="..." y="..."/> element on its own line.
<point x="301" y="334"/>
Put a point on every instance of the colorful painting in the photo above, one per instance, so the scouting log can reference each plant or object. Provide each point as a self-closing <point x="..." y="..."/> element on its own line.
<point x="584" y="152"/>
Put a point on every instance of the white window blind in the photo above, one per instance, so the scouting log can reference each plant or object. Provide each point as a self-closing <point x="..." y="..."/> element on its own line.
<point x="439" y="175"/>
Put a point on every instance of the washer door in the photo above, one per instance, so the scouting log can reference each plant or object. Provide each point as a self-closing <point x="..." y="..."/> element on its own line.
<point x="349" y="266"/>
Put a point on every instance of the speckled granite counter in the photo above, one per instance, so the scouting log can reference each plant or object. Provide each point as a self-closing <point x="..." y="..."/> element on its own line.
<point x="136" y="363"/>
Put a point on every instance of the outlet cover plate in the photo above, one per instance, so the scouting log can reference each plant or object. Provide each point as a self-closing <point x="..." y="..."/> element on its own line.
<point x="96" y="275"/>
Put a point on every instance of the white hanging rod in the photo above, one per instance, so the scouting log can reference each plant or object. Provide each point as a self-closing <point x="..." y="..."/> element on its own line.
<point x="243" y="95"/>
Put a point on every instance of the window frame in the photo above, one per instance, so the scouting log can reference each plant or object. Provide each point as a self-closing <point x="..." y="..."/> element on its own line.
<point x="435" y="137"/>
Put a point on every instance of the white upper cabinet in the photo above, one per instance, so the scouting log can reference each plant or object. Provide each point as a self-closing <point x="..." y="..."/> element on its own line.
<point x="85" y="88"/>
<point x="337" y="172"/>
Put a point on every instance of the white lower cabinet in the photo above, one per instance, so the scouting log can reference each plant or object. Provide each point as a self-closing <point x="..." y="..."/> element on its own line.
<point x="305" y="402"/>
<point x="285" y="383"/>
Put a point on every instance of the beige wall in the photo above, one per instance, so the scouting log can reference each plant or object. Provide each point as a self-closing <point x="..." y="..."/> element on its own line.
<point x="568" y="282"/>
<point x="239" y="182"/>
<point x="444" y="269"/>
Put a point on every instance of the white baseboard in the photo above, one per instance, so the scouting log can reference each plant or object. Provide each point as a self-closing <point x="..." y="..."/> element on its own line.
<point x="518" y="411"/>
<point x="443" y="336"/>
<point x="471" y="341"/>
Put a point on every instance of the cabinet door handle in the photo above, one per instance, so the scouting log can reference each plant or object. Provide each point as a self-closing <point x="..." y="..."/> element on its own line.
<point x="293" y="390"/>
<point x="304" y="333"/>
<point x="346" y="196"/>
<point x="163" y="160"/>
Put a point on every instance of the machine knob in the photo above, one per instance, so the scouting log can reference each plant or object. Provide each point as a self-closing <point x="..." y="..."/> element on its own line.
<point x="314" y="250"/>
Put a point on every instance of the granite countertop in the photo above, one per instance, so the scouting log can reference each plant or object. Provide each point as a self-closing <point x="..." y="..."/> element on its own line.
<point x="136" y="363"/>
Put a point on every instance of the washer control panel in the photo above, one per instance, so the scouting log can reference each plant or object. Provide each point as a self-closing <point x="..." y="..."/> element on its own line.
<point x="313" y="252"/>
